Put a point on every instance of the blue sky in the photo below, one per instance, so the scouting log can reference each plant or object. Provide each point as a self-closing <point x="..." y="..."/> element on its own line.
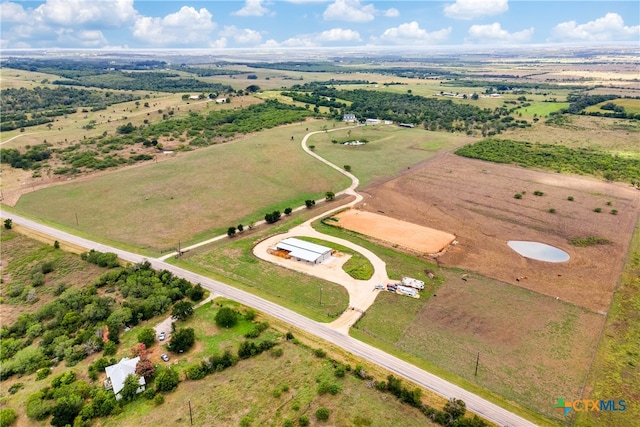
<point x="145" y="24"/>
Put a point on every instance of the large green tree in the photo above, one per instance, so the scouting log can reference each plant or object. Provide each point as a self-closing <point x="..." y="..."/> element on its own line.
<point x="182" y="340"/>
<point x="130" y="389"/>
<point x="147" y="336"/>
<point x="182" y="310"/>
<point x="226" y="317"/>
<point x="166" y="379"/>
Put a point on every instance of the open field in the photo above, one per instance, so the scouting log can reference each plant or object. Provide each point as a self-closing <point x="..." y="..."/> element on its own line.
<point x="20" y="257"/>
<point x="411" y="236"/>
<point x="614" y="136"/>
<point x="390" y="150"/>
<point x="630" y="106"/>
<point x="614" y="373"/>
<point x="525" y="340"/>
<point x="542" y="109"/>
<point x="475" y="201"/>
<point x="193" y="195"/>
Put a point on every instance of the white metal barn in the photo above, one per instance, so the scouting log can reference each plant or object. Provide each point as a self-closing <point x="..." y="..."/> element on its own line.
<point x="305" y="251"/>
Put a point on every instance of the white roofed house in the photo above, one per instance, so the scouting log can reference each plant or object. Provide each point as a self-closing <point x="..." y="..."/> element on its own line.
<point x="118" y="373"/>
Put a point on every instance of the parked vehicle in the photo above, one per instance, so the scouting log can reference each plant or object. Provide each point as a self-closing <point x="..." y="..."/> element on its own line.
<point x="164" y="357"/>
<point x="162" y="336"/>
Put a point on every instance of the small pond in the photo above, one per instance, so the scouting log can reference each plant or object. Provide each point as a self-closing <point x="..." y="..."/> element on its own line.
<point x="539" y="251"/>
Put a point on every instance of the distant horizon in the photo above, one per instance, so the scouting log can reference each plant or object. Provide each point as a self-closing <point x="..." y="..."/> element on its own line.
<point x="312" y="24"/>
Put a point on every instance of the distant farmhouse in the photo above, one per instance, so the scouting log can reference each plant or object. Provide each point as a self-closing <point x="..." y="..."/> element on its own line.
<point x="302" y="250"/>
<point x="221" y="100"/>
<point x="118" y="373"/>
<point x="349" y="118"/>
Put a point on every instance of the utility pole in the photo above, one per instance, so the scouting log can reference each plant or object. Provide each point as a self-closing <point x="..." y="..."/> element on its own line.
<point x="190" y="413"/>
<point x="76" y="218"/>
<point x="477" y="361"/>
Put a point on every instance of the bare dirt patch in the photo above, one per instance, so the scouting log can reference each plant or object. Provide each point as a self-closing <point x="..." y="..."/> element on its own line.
<point x="418" y="238"/>
<point x="475" y="201"/>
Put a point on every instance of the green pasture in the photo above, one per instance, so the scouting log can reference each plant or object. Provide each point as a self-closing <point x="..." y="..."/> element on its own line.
<point x="614" y="372"/>
<point x="630" y="106"/>
<point x="193" y="196"/>
<point x="542" y="109"/>
<point x="390" y="149"/>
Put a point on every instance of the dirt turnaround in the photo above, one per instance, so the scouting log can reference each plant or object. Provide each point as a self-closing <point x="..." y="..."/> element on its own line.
<point x="475" y="201"/>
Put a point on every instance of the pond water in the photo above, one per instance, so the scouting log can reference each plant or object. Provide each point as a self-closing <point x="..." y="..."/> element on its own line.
<point x="539" y="251"/>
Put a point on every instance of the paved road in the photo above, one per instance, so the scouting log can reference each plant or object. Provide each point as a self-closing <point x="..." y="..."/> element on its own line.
<point x="399" y="367"/>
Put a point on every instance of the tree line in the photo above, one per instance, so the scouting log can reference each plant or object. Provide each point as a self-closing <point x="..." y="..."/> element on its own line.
<point x="28" y="107"/>
<point x="584" y="161"/>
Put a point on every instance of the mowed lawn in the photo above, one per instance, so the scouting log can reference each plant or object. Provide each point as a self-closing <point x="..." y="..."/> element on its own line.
<point x="192" y="196"/>
<point x="630" y="106"/>
<point x="389" y="150"/>
<point x="532" y="349"/>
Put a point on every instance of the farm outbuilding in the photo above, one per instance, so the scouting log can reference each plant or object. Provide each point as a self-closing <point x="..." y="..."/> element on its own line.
<point x="118" y="373"/>
<point x="305" y="251"/>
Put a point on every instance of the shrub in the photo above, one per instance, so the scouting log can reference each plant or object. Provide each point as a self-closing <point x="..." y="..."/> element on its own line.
<point x="303" y="421"/>
<point x="15" y="387"/>
<point x="56" y="245"/>
<point x="158" y="399"/>
<point x="46" y="267"/>
<point x="552" y="210"/>
<point x="276" y="352"/>
<point x="287" y="423"/>
<point x="7" y="417"/>
<point x="196" y="293"/>
<point x="295" y="406"/>
<point x="147" y="336"/>
<point x="166" y="379"/>
<point x="322" y="414"/>
<point x="538" y="193"/>
<point x="43" y="373"/>
<point x="614" y="211"/>
<point x="149" y="393"/>
<point x="570" y="198"/>
<point x="250" y="315"/>
<point x="320" y="353"/>
<point x="246" y="421"/>
<point x="597" y="210"/>
<point x="110" y="348"/>
<point x="517" y="196"/>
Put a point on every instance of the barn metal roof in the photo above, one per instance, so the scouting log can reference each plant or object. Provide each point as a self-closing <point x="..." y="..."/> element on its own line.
<point x="304" y="250"/>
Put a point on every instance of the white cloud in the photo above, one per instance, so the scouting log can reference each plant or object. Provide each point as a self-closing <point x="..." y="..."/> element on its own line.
<point x="12" y="12"/>
<point x="494" y="33"/>
<point x="300" y="41"/>
<point x="392" y="13"/>
<point x="241" y="36"/>
<point x="609" y="27"/>
<point x="471" y="9"/>
<point x="411" y="34"/>
<point x="186" y="27"/>
<point x="339" y="35"/>
<point x="221" y="43"/>
<point x="106" y="13"/>
<point x="350" y="11"/>
<point x="85" y="39"/>
<point x="252" y="8"/>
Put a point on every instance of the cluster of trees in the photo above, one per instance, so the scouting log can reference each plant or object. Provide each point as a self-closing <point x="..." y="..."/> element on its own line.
<point x="102" y="259"/>
<point x="33" y="157"/>
<point x="72" y="326"/>
<point x="69" y="401"/>
<point x="315" y="99"/>
<point x="272" y="217"/>
<point x="433" y="114"/>
<point x="586" y="161"/>
<point x="578" y="102"/>
<point x="27" y="107"/>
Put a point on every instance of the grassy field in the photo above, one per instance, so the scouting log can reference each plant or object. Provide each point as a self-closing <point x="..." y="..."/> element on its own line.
<point x="614" y="136"/>
<point x="615" y="373"/>
<point x="21" y="256"/>
<point x="232" y="261"/>
<point x="390" y="149"/>
<point x="630" y="106"/>
<point x="542" y="109"/>
<point x="192" y="196"/>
